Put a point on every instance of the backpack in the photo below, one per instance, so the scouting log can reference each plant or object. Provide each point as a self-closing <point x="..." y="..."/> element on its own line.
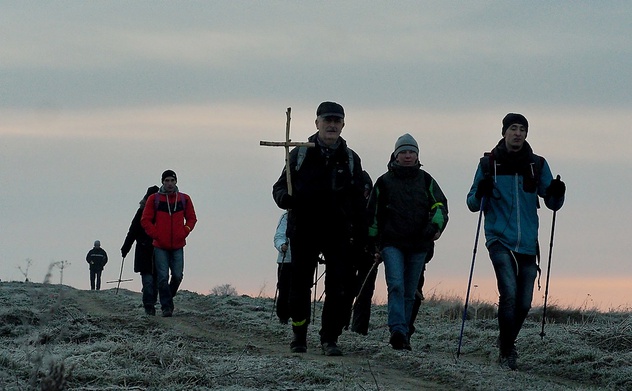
<point x="302" y="151"/>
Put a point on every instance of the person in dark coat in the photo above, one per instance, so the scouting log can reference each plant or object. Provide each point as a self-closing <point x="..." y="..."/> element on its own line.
<point x="143" y="255"/>
<point x="96" y="258"/>
<point x="365" y="276"/>
<point x="407" y="213"/>
<point x="326" y="211"/>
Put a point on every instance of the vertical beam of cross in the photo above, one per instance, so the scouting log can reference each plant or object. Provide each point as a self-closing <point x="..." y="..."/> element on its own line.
<point x="287" y="144"/>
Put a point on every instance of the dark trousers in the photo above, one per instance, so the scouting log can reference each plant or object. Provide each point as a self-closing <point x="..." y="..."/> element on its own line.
<point x="515" y="275"/>
<point x="150" y="289"/>
<point x="95" y="279"/>
<point x="284" y="277"/>
<point x="338" y="286"/>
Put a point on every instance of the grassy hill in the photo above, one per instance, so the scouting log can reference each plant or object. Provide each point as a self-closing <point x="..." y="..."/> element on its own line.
<point x="55" y="337"/>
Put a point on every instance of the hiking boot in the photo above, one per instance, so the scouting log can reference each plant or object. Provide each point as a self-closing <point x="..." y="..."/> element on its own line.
<point x="167" y="313"/>
<point x="510" y="360"/>
<point x="299" y="343"/>
<point x="331" y="349"/>
<point x="398" y="340"/>
<point x="297" y="346"/>
<point x="151" y="311"/>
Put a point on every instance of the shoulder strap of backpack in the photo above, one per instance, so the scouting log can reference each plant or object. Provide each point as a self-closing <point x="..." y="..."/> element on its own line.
<point x="350" y="156"/>
<point x="487" y="162"/>
<point x="537" y="167"/>
<point x="301" y="156"/>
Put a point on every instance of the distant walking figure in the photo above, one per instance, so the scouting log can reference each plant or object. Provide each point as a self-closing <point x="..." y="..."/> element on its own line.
<point x="96" y="258"/>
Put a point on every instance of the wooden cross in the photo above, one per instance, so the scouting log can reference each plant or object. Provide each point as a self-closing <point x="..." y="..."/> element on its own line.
<point x="119" y="279"/>
<point x="287" y="144"/>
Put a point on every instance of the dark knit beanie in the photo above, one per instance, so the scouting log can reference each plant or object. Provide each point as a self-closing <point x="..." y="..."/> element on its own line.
<point x="513" y="118"/>
<point x="406" y="143"/>
<point x="168" y="173"/>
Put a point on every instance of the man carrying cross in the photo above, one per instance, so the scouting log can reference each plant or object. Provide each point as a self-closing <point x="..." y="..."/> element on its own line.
<point x="326" y="214"/>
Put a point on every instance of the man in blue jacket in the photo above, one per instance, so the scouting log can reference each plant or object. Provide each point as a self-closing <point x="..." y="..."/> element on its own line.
<point x="507" y="185"/>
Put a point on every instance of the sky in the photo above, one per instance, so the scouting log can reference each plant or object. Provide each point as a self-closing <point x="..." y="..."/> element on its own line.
<point x="98" y="98"/>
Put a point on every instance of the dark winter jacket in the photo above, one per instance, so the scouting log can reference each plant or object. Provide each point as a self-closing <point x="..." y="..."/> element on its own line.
<point x="171" y="221"/>
<point x="97" y="258"/>
<point x="406" y="209"/>
<point x="327" y="197"/>
<point x="144" y="252"/>
<point x="511" y="213"/>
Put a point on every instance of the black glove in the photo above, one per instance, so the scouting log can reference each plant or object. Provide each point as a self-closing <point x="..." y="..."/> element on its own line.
<point x="287" y="201"/>
<point x="485" y="188"/>
<point x="556" y="189"/>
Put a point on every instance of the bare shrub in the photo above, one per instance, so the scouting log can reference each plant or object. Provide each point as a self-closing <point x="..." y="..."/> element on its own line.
<point x="224" y="290"/>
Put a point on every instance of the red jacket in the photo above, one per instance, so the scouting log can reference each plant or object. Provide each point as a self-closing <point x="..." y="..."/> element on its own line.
<point x="170" y="220"/>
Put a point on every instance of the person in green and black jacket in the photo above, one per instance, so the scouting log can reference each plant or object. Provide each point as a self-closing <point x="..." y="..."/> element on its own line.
<point x="407" y="213"/>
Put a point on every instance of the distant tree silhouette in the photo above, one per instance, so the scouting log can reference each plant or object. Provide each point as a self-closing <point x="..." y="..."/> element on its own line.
<point x="224" y="290"/>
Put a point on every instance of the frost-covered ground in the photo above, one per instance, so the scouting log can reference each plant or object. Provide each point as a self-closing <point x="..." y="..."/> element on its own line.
<point x="57" y="337"/>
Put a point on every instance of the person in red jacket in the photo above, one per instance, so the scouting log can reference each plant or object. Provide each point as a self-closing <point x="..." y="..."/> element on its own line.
<point x="168" y="218"/>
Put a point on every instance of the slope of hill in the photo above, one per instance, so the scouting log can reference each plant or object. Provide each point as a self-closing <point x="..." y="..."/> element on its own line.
<point x="56" y="337"/>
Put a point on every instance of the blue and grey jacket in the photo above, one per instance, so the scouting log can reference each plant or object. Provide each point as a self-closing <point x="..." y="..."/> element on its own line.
<point x="511" y="213"/>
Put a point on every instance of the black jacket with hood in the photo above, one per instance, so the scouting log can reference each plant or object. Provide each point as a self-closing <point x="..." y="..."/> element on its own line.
<point x="328" y="199"/>
<point x="406" y="209"/>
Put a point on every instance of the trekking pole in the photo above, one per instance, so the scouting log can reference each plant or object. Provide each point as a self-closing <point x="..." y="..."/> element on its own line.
<point x="315" y="287"/>
<point x="373" y="267"/>
<point x="548" y="274"/>
<point x="469" y="283"/>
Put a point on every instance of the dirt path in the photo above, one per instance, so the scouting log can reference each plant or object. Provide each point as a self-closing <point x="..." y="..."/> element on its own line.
<point x="246" y="332"/>
<point x="192" y="320"/>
